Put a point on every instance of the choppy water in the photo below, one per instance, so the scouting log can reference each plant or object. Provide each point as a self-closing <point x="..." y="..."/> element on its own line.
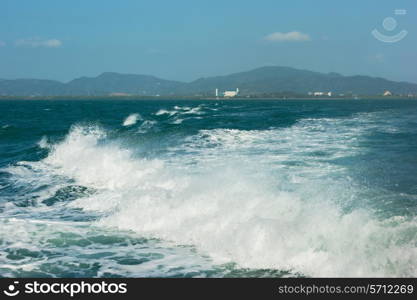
<point x="208" y="188"/>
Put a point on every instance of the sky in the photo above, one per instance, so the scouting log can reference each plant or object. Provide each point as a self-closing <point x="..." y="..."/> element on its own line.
<point x="188" y="39"/>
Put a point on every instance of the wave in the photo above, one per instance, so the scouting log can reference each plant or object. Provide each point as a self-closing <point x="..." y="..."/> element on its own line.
<point x="45" y="248"/>
<point x="165" y="112"/>
<point x="147" y="125"/>
<point x="131" y="119"/>
<point x="179" y="112"/>
<point x="238" y="196"/>
<point x="43" y="142"/>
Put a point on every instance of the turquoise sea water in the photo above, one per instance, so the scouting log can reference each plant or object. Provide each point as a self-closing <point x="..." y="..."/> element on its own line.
<point x="208" y="188"/>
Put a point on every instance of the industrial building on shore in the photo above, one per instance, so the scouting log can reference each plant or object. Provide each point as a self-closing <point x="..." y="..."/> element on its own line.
<point x="228" y="94"/>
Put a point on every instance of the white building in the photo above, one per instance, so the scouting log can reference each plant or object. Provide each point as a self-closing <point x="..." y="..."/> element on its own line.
<point x="322" y="94"/>
<point x="387" y="93"/>
<point x="230" y="94"/>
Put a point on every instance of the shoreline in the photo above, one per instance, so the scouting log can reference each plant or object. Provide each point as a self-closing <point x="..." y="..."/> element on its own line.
<point x="185" y="98"/>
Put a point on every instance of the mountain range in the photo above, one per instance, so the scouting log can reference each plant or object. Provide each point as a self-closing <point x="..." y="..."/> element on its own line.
<point x="262" y="80"/>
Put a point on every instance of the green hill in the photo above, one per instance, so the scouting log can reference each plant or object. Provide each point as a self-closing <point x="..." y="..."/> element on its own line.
<point x="258" y="81"/>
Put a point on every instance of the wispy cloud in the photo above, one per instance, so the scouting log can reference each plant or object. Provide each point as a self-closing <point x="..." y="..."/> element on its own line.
<point x="292" y="36"/>
<point x="38" y="42"/>
<point x="2" y="44"/>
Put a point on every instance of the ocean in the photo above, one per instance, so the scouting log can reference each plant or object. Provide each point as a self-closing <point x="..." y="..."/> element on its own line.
<point x="208" y="188"/>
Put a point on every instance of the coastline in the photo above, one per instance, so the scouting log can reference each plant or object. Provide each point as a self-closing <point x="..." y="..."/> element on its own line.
<point x="181" y="98"/>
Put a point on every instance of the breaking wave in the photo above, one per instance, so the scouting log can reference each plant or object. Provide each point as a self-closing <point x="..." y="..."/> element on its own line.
<point x="131" y="119"/>
<point x="258" y="198"/>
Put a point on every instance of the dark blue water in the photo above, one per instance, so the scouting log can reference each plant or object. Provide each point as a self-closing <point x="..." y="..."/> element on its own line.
<point x="208" y="188"/>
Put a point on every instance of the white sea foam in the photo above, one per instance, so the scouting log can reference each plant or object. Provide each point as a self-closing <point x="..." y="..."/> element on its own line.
<point x="70" y="244"/>
<point x="147" y="125"/>
<point x="226" y="197"/>
<point x="166" y="112"/>
<point x="43" y="143"/>
<point x="177" y="121"/>
<point x="181" y="110"/>
<point x="132" y="119"/>
<point x="194" y="110"/>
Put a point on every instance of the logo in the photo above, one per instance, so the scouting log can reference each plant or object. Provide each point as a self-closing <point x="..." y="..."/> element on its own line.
<point x="66" y="288"/>
<point x="11" y="290"/>
<point x="390" y="24"/>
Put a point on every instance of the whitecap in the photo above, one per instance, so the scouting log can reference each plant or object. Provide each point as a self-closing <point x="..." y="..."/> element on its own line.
<point x="236" y="208"/>
<point x="132" y="119"/>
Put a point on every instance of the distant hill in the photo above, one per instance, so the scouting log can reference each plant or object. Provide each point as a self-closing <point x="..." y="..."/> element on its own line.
<point x="258" y="81"/>
<point x="104" y="84"/>
<point x="276" y="79"/>
<point x="108" y="83"/>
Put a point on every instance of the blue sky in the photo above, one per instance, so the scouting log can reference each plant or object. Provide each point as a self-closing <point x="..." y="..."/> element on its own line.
<point x="185" y="40"/>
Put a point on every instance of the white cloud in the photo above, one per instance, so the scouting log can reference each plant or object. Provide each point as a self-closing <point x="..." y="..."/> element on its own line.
<point x="38" y="42"/>
<point x="2" y="44"/>
<point x="292" y="36"/>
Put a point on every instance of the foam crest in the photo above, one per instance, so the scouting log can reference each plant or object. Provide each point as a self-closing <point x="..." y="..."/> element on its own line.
<point x="235" y="211"/>
<point x="132" y="119"/>
<point x="165" y="112"/>
<point x="182" y="110"/>
<point x="43" y="143"/>
<point x="81" y="157"/>
<point x="233" y="218"/>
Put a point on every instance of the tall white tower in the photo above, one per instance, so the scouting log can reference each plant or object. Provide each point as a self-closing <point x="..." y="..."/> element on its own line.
<point x="217" y="92"/>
